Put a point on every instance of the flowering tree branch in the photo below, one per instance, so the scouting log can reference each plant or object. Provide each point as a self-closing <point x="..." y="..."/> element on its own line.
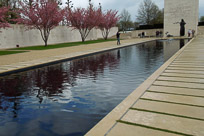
<point x="3" y="21"/>
<point x="43" y="15"/>
<point x="108" y="20"/>
<point x="83" y="20"/>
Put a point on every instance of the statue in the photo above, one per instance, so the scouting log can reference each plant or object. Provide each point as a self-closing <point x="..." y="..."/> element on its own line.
<point x="182" y="29"/>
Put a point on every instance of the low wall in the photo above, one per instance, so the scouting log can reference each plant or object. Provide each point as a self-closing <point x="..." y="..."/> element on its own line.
<point x="152" y="32"/>
<point x="200" y="30"/>
<point x="148" y="32"/>
<point x="18" y="35"/>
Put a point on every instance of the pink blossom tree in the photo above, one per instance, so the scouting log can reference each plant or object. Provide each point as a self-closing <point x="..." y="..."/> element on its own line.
<point x="3" y="22"/>
<point x="83" y="20"/>
<point x="43" y="15"/>
<point x="108" y="20"/>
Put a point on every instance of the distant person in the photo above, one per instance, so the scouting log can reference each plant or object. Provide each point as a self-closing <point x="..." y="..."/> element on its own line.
<point x="118" y="38"/>
<point x="193" y="33"/>
<point x="160" y="33"/>
<point x="143" y="34"/>
<point x="189" y="33"/>
<point x="157" y="33"/>
<point x="182" y="29"/>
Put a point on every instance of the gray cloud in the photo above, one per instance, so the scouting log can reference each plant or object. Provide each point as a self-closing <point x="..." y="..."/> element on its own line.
<point x="130" y="5"/>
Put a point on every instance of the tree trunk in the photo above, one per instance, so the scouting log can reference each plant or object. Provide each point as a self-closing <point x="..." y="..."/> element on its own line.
<point x="83" y="39"/>
<point x="46" y="35"/>
<point x="46" y="43"/>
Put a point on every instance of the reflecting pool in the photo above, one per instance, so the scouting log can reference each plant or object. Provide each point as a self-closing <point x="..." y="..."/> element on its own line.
<point x="69" y="98"/>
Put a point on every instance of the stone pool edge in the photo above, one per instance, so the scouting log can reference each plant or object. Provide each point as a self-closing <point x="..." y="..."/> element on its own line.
<point x="29" y="65"/>
<point x="109" y="121"/>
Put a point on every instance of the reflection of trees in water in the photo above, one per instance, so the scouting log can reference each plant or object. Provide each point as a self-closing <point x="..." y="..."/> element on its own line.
<point x="51" y="81"/>
<point x="11" y="88"/>
<point x="94" y="65"/>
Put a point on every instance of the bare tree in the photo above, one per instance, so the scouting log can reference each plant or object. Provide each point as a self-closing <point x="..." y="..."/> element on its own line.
<point x="149" y="13"/>
<point x="125" y="20"/>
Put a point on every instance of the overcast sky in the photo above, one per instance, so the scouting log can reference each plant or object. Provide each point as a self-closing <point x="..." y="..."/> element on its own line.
<point x="130" y="5"/>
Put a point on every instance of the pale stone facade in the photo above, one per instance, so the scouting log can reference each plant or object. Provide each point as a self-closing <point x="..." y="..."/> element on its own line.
<point x="175" y="10"/>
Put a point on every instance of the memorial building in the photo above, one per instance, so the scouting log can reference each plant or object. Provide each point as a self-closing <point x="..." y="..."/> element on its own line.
<point x="175" y="11"/>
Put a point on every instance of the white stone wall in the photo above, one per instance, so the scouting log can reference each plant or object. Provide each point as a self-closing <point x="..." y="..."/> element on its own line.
<point x="175" y="10"/>
<point x="18" y="35"/>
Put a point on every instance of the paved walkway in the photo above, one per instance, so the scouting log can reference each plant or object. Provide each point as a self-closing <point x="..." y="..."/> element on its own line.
<point x="169" y="103"/>
<point x="17" y="62"/>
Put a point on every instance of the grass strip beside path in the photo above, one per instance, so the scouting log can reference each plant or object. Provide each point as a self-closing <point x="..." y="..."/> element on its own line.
<point x="10" y="52"/>
<point x="42" y="47"/>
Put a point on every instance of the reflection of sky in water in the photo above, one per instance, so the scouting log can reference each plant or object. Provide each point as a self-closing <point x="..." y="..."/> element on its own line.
<point x="71" y="97"/>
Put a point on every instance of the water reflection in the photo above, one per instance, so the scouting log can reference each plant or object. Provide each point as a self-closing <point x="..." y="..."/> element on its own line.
<point x="172" y="46"/>
<point x="71" y="97"/>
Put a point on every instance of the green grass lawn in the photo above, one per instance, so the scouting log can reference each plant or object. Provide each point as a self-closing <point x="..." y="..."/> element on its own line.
<point x="61" y="45"/>
<point x="10" y="52"/>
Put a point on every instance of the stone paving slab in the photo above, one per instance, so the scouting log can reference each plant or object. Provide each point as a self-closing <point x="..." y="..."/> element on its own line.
<point x="183" y="75"/>
<point x="191" y="58"/>
<point x="193" y="63"/>
<point x="176" y="90"/>
<point x="181" y="79"/>
<point x="185" y="71"/>
<point x="188" y="100"/>
<point x="179" y="84"/>
<point x="170" y="108"/>
<point x="184" y="68"/>
<point x="176" y="124"/>
<point x="122" y="129"/>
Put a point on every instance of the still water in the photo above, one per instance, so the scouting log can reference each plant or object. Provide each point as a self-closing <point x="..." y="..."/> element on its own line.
<point x="69" y="98"/>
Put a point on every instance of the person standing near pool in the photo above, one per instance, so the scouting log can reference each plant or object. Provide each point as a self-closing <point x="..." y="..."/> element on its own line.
<point x="193" y="33"/>
<point x="118" y="38"/>
<point x="182" y="29"/>
<point x="189" y="33"/>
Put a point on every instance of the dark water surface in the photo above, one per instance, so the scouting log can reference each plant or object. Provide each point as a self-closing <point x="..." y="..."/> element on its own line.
<point x="71" y="97"/>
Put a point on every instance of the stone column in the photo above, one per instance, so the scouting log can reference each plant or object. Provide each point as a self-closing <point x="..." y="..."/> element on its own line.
<point x="175" y="10"/>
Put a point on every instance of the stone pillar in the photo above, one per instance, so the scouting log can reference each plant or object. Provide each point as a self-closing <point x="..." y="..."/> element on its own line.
<point x="175" y="10"/>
